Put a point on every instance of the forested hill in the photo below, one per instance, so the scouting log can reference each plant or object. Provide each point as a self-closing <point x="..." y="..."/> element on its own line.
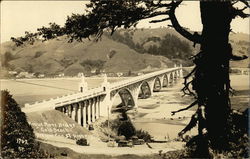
<point x="125" y="51"/>
<point x="160" y="41"/>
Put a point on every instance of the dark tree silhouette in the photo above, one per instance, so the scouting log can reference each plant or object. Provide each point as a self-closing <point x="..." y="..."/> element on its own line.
<point x="17" y="136"/>
<point x="210" y="82"/>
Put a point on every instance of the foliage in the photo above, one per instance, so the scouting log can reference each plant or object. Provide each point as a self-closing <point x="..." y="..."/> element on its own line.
<point x="170" y="45"/>
<point x="66" y="62"/>
<point x="141" y="134"/>
<point x="122" y="126"/>
<point x="126" y="129"/>
<point x="6" y="58"/>
<point x="82" y="142"/>
<point x="90" y="64"/>
<point x="111" y="54"/>
<point x="38" y="54"/>
<point x="17" y="136"/>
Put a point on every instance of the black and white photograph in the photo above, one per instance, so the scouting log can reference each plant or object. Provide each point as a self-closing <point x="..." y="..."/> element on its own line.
<point x="124" y="79"/>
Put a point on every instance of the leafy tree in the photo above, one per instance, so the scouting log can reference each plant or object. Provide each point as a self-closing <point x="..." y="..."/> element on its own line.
<point x="6" y="58"/>
<point x="210" y="82"/>
<point x="89" y="64"/>
<point x="17" y="136"/>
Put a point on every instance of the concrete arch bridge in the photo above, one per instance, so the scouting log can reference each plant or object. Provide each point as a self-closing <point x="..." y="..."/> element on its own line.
<point x="87" y="105"/>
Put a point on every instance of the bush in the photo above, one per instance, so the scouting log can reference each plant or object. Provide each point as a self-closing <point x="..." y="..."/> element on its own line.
<point x="122" y="126"/>
<point x="143" y="135"/>
<point x="17" y="136"/>
<point x="39" y="53"/>
<point x="127" y="129"/>
<point x="82" y="142"/>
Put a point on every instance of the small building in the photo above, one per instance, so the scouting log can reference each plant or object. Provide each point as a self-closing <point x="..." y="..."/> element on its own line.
<point x="22" y="75"/>
<point x="111" y="74"/>
<point x="80" y="74"/>
<point x="12" y="72"/>
<point x="119" y="74"/>
<point x="93" y="71"/>
<point x="41" y="76"/>
<point x="61" y="75"/>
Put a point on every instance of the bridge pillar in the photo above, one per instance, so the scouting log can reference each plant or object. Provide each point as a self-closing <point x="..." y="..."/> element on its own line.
<point x="93" y="110"/>
<point x="66" y="110"/>
<point x="162" y="80"/>
<point x="79" y="114"/>
<point x="175" y="76"/>
<point x="63" y="110"/>
<point x="135" y="93"/>
<point x="181" y="71"/>
<point x="88" y="113"/>
<point x="97" y="107"/>
<point x="69" y="111"/>
<point x="151" y="86"/>
<point x="73" y="112"/>
<point x="84" y="122"/>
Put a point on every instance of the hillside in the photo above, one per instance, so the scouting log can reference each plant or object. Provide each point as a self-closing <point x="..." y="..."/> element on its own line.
<point x="241" y="46"/>
<point x="55" y="123"/>
<point x="59" y="56"/>
<point x="167" y="42"/>
<point x="125" y="51"/>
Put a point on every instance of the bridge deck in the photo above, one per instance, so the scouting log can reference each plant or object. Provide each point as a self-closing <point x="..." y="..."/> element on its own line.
<point x="90" y="93"/>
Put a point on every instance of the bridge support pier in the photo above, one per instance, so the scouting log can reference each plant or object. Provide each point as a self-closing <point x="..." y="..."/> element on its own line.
<point x="84" y="122"/>
<point x="88" y="114"/>
<point x="79" y="114"/>
<point x="93" y="110"/>
<point x="73" y="112"/>
<point x="99" y="102"/>
<point x="97" y="107"/>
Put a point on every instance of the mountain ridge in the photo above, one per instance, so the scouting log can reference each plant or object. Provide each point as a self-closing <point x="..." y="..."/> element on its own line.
<point x="110" y="54"/>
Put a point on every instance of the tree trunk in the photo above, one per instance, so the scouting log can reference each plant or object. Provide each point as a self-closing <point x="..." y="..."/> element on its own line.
<point x="212" y="76"/>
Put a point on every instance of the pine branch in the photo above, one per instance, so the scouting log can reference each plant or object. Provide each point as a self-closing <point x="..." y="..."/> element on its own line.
<point x="196" y="38"/>
<point x="238" y="58"/>
<point x="191" y="124"/>
<point x="157" y="21"/>
<point x="180" y="110"/>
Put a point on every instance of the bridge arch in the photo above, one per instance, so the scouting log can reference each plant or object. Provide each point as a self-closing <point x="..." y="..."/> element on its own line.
<point x="171" y="78"/>
<point x="165" y="80"/>
<point x="156" y="84"/>
<point x="175" y="75"/>
<point x="127" y="100"/>
<point x="144" y="90"/>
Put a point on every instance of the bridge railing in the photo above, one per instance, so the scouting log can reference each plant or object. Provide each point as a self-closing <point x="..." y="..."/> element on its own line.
<point x="67" y="99"/>
<point x="136" y="79"/>
<point x="80" y="96"/>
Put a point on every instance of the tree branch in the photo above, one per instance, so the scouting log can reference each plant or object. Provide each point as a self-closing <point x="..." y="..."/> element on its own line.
<point x="157" y="21"/>
<point x="190" y="125"/>
<point x="240" y="13"/>
<point x="196" y="38"/>
<point x="238" y="58"/>
<point x="191" y="105"/>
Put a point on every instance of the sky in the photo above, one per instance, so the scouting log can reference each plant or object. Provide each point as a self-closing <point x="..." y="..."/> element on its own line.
<point x="20" y="16"/>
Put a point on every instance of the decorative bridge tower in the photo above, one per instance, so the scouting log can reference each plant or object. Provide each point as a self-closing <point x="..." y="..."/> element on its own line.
<point x="83" y="85"/>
